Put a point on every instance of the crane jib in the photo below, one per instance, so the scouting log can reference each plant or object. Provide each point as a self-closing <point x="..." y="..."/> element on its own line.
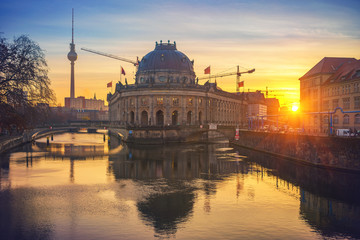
<point x="136" y="63"/>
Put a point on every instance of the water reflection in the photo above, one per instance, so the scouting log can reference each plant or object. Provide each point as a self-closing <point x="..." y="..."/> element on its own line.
<point x="171" y="162"/>
<point x="168" y="207"/>
<point x="75" y="145"/>
<point x="329" y="200"/>
<point x="103" y="190"/>
<point x="168" y="171"/>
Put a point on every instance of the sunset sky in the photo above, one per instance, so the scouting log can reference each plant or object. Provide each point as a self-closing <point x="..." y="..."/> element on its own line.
<point x="282" y="40"/>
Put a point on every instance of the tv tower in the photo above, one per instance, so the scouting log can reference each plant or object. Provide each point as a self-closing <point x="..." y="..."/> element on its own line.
<point x="72" y="56"/>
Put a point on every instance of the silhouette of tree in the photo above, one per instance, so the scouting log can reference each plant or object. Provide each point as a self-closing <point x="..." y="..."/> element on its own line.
<point x="24" y="80"/>
<point x="23" y="72"/>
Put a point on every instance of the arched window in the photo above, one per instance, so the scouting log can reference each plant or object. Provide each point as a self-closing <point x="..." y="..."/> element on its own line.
<point x="336" y="119"/>
<point x="357" y="118"/>
<point x="346" y="119"/>
<point x="144" y="118"/>
<point x="189" y="116"/>
<point x="132" y="117"/>
<point x="160" y="118"/>
<point x="174" y="118"/>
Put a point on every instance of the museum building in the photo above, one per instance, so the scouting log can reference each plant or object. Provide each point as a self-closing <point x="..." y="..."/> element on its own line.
<point x="167" y="93"/>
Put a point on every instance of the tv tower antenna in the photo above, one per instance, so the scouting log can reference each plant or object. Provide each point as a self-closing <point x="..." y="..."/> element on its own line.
<point x="72" y="27"/>
<point x="72" y="56"/>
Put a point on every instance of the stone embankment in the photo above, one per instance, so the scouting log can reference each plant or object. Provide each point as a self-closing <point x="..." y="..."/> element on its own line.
<point x="342" y="153"/>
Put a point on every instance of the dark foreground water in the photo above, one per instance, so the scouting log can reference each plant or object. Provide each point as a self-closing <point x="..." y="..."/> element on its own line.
<point x="80" y="187"/>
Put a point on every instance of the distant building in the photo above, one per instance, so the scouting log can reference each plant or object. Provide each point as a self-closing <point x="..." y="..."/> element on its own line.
<point x="256" y="104"/>
<point x="272" y="105"/>
<point x="81" y="103"/>
<point x="332" y="83"/>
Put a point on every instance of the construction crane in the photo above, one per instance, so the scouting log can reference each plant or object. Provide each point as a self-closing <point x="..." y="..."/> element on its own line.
<point x="237" y="73"/>
<point x="272" y="92"/>
<point x="136" y="63"/>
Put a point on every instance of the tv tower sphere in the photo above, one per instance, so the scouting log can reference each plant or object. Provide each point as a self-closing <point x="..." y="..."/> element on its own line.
<point x="72" y="55"/>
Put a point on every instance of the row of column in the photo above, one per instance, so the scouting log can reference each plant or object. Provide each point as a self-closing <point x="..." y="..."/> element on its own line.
<point x="210" y="110"/>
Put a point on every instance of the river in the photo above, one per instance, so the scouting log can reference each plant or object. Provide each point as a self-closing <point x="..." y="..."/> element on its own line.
<point x="90" y="186"/>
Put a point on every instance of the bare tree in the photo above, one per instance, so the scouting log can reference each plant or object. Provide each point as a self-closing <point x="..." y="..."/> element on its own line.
<point x="23" y="72"/>
<point x="24" y="80"/>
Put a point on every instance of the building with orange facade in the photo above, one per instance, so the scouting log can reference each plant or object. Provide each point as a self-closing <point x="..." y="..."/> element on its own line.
<point x="330" y="96"/>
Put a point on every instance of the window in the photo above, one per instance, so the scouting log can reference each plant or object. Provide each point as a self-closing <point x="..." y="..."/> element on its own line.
<point x="326" y="105"/>
<point x="175" y="101"/>
<point x="190" y="101"/>
<point x="131" y="102"/>
<point x="315" y="120"/>
<point x="326" y="119"/>
<point x="335" y="103"/>
<point x="315" y="93"/>
<point x="200" y="101"/>
<point x="357" y="118"/>
<point x="144" y="101"/>
<point x="346" y="103"/>
<point x="315" y="106"/>
<point x="162" y="78"/>
<point x="346" y="119"/>
<point x="336" y="119"/>
<point x="160" y="101"/>
<point x="357" y="74"/>
<point x="357" y="102"/>
<point x="356" y="87"/>
<point x="132" y="117"/>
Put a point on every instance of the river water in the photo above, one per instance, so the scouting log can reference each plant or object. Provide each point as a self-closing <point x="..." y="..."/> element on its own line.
<point x="82" y="186"/>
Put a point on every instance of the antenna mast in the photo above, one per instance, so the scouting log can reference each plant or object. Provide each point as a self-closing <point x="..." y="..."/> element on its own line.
<point x="72" y="39"/>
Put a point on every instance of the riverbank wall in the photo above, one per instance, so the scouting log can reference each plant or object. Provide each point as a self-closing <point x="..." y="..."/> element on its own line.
<point x="325" y="152"/>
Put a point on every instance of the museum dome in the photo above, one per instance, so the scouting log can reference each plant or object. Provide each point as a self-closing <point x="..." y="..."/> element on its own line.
<point x="165" y="57"/>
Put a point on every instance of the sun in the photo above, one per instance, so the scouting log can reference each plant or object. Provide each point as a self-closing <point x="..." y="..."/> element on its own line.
<point x="295" y="108"/>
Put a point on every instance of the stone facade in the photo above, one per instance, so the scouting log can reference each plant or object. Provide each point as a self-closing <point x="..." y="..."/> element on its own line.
<point x="166" y="93"/>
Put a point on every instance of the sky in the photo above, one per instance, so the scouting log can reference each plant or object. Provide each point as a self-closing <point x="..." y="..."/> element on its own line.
<point x="282" y="40"/>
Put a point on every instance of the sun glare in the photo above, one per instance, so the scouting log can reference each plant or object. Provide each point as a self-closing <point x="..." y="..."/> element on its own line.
<point x="295" y="108"/>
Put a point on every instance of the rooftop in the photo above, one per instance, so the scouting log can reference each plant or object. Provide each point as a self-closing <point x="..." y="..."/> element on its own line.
<point x="327" y="65"/>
